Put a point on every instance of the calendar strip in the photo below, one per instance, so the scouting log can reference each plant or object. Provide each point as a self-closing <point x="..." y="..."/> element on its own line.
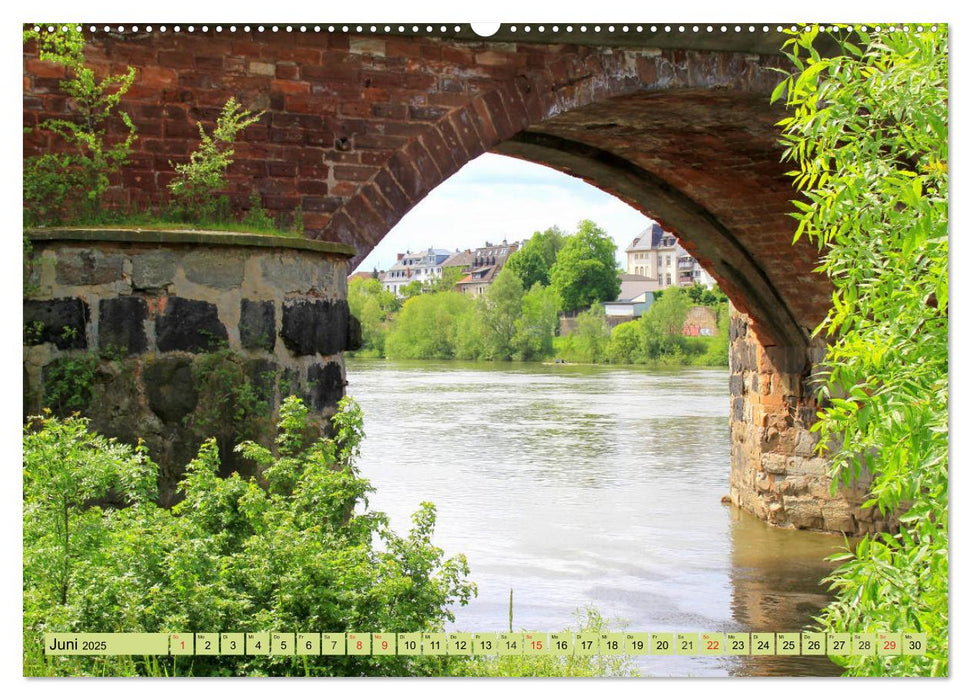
<point x="279" y="644"/>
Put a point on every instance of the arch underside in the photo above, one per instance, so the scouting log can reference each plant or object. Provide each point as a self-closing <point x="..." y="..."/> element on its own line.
<point x="706" y="164"/>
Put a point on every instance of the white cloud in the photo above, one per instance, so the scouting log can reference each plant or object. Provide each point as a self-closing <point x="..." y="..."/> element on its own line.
<point x="496" y="197"/>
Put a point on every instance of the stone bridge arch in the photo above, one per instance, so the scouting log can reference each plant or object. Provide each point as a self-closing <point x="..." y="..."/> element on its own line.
<point x="360" y="126"/>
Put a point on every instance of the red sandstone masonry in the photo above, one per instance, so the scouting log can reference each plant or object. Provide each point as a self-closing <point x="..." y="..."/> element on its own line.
<point x="412" y="110"/>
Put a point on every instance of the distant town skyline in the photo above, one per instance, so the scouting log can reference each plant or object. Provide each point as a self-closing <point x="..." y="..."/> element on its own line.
<point x="496" y="197"/>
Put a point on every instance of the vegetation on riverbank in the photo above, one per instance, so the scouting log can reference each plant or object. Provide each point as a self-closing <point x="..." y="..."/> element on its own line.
<point x="513" y="322"/>
<point x="869" y="136"/>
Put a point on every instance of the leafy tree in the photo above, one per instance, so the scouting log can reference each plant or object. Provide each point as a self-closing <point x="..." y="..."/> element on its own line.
<point x="412" y="289"/>
<point x="585" y="271"/>
<point x="470" y="331"/>
<point x="529" y="266"/>
<point x="548" y="243"/>
<point x="869" y="135"/>
<point x="662" y="324"/>
<point x="445" y="282"/>
<point x="532" y="262"/>
<point x="502" y="308"/>
<point x="69" y="184"/>
<point x="537" y="323"/>
<point x="592" y="335"/>
<point x="626" y="343"/>
<point x="426" y="328"/>
<point x="702" y="296"/>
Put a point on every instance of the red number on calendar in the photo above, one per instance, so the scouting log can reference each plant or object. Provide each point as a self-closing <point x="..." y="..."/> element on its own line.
<point x="890" y="645"/>
<point x="712" y="645"/>
<point x="360" y="644"/>
<point x="384" y="645"/>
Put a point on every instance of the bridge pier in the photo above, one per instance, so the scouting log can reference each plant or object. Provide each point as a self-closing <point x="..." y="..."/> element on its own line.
<point x="777" y="473"/>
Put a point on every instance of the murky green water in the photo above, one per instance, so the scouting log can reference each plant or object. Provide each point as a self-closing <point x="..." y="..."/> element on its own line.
<point x="579" y="486"/>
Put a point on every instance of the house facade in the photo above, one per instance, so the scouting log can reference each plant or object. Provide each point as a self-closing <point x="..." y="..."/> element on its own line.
<point x="657" y="255"/>
<point x="423" y="266"/>
<point x="486" y="262"/>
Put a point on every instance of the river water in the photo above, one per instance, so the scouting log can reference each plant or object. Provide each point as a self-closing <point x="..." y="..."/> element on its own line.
<point x="589" y="486"/>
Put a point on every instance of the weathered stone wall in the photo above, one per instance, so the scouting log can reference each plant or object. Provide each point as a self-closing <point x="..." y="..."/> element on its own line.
<point x="148" y="307"/>
<point x="777" y="474"/>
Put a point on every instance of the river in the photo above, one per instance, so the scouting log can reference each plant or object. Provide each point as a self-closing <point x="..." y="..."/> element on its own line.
<point x="589" y="486"/>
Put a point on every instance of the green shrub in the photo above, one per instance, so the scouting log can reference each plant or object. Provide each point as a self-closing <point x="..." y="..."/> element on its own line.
<point x="303" y="553"/>
<point x="198" y="182"/>
<point x="68" y="383"/>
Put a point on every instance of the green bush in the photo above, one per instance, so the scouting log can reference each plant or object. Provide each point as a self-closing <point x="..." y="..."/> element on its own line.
<point x="427" y="326"/>
<point x="869" y="135"/>
<point x="301" y="552"/>
<point x="68" y="383"/>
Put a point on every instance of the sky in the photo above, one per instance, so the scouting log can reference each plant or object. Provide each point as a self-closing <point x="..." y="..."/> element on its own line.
<point x="497" y="197"/>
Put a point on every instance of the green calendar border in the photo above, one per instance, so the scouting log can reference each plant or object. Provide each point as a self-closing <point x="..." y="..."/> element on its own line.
<point x="530" y="643"/>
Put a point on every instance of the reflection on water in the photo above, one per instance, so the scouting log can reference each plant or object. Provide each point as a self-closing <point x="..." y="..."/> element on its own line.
<point x="579" y="486"/>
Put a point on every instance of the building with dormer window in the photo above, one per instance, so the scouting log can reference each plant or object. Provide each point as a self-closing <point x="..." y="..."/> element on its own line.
<point x="657" y="255"/>
<point x="423" y="266"/>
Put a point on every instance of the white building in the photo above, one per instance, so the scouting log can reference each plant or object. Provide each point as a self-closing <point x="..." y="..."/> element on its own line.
<point x="409" y="267"/>
<point x="657" y="255"/>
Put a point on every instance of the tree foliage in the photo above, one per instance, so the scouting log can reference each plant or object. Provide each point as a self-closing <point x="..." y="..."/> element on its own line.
<point x="538" y="322"/>
<point x="532" y="262"/>
<point x="299" y="552"/>
<point x="585" y="271"/>
<point x="661" y="326"/>
<point x="869" y="135"/>
<point x="502" y="308"/>
<point x="426" y="327"/>
<point x="373" y="306"/>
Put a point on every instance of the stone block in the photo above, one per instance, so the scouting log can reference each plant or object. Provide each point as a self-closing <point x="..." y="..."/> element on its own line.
<point x="257" y="325"/>
<point x="314" y="326"/>
<point x="804" y="512"/>
<point x="61" y="321"/>
<point x="736" y="384"/>
<point x="325" y="384"/>
<point x="89" y="267"/>
<point x="221" y="269"/>
<point x="774" y="463"/>
<point x="838" y="517"/>
<point x="153" y="269"/>
<point x="170" y="388"/>
<point x="805" y="443"/>
<point x="764" y="482"/>
<point x="189" y="325"/>
<point x="738" y="409"/>
<point x="816" y="467"/>
<point x="121" y="326"/>
<point x="292" y="274"/>
<point x="793" y="485"/>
